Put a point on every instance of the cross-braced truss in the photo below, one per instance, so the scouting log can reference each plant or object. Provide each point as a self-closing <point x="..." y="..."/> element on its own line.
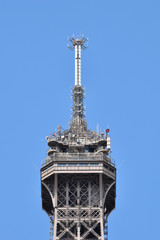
<point x="78" y="211"/>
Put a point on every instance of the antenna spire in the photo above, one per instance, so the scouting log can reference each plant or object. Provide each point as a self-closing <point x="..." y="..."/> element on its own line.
<point x="77" y="44"/>
<point x="78" y="122"/>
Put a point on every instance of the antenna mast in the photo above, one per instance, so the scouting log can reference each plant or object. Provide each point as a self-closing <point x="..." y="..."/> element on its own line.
<point x="77" y="44"/>
<point x="77" y="90"/>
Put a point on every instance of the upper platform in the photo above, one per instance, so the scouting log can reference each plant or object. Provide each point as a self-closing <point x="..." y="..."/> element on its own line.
<point x="78" y="163"/>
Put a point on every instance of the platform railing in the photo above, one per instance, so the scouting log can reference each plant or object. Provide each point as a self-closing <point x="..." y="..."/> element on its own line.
<point x="72" y="157"/>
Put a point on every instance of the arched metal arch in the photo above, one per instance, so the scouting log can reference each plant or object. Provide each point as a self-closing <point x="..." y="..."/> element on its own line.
<point x="52" y="198"/>
<point x="111" y="185"/>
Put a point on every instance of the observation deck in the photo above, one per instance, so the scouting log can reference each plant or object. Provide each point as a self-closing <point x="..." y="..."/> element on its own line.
<point x="78" y="163"/>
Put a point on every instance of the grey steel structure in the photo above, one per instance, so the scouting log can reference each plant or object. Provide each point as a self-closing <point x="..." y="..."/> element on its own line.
<point x="78" y="178"/>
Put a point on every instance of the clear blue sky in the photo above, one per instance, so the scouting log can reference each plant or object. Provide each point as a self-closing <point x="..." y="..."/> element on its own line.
<point x="121" y="74"/>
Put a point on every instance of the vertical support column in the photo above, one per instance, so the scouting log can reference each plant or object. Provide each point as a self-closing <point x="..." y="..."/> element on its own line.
<point x="101" y="189"/>
<point x="67" y="201"/>
<point x="78" y="213"/>
<point x="55" y="206"/>
<point x="77" y="65"/>
<point x="89" y="200"/>
<point x="89" y="192"/>
<point x="67" y="193"/>
<point x="101" y="205"/>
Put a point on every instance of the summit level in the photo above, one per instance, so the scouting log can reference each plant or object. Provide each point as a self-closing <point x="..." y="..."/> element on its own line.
<point x="78" y="178"/>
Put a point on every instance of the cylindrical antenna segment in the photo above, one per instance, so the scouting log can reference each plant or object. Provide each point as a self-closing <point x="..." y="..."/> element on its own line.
<point x="78" y="65"/>
<point x="78" y="44"/>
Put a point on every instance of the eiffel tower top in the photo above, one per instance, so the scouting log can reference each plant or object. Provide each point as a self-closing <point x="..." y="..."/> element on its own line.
<point x="78" y="136"/>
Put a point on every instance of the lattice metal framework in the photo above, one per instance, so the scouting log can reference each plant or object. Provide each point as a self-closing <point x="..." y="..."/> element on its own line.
<point x="78" y="177"/>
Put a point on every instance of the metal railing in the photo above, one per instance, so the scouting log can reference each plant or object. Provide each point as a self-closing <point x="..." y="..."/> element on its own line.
<point x="77" y="157"/>
<point x="73" y="168"/>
